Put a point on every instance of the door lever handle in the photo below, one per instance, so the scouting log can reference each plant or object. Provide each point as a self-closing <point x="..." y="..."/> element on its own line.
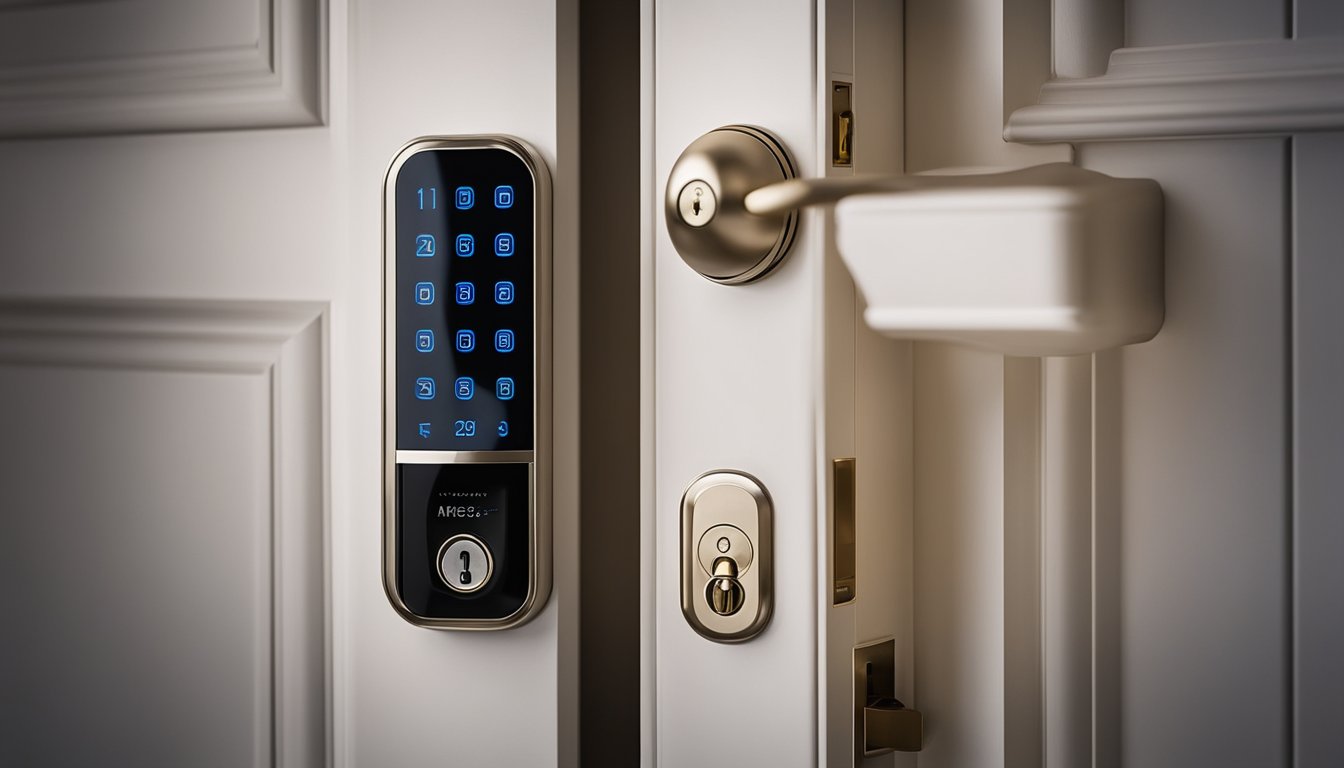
<point x="1048" y="260"/>
<point x="732" y="199"/>
<point x="782" y="196"/>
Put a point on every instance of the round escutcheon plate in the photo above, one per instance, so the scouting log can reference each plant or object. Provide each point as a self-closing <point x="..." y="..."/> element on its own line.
<point x="719" y="238"/>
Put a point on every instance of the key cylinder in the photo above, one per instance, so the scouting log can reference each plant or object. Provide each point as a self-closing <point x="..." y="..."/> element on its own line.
<point x="697" y="203"/>
<point x="724" y="592"/>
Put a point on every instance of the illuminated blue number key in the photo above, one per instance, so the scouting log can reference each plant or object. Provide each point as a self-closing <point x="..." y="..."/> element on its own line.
<point x="424" y="428"/>
<point x="504" y="292"/>
<point x="466" y="245"/>
<point x="504" y="244"/>
<point x="464" y="388"/>
<point x="424" y="294"/>
<point x="504" y="341"/>
<point x="504" y="388"/>
<point x="424" y="246"/>
<point x="424" y="341"/>
<point x="466" y="197"/>
<point x="503" y="429"/>
<point x="504" y="196"/>
<point x="424" y="388"/>
<point x="466" y="293"/>
<point x="466" y="341"/>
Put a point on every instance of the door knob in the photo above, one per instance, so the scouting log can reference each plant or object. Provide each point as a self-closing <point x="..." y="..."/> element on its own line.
<point x="707" y="218"/>
<point x="733" y="197"/>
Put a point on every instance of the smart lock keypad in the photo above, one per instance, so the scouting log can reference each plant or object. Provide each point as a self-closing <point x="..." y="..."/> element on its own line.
<point x="464" y="320"/>
<point x="467" y="350"/>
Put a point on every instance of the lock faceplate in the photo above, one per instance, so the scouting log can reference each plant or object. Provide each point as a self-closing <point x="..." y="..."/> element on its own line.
<point x="726" y="569"/>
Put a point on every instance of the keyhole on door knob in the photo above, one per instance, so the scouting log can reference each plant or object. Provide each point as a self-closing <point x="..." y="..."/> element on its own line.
<point x="724" y="592"/>
<point x="465" y="576"/>
<point x="696" y="203"/>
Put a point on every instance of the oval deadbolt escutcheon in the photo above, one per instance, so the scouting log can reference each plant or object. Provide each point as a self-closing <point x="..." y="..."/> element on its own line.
<point x="726" y="569"/>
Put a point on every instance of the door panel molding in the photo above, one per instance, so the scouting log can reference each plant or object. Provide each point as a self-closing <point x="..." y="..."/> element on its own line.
<point x="261" y="367"/>
<point x="1317" y="448"/>
<point x="1254" y="87"/>
<point x="159" y="65"/>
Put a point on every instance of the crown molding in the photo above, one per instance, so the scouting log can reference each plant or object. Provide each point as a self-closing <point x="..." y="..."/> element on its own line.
<point x="1253" y="87"/>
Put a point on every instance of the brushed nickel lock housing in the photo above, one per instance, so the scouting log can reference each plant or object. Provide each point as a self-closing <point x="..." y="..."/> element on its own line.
<point x="726" y="577"/>
<point x="705" y="205"/>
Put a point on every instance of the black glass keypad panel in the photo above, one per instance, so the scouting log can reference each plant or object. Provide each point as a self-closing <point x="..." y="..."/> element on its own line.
<point x="465" y="346"/>
<point x="438" y="501"/>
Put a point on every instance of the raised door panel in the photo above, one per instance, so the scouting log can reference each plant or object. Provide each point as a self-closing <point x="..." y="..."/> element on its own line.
<point x="164" y="536"/>
<point x="155" y="65"/>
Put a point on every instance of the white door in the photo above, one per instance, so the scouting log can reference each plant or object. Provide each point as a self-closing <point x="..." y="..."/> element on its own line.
<point x="191" y="261"/>
<point x="1119" y="559"/>
<point x="1124" y="559"/>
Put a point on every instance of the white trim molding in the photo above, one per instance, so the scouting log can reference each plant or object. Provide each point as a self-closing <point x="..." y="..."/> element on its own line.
<point x="98" y="68"/>
<point x="1242" y="88"/>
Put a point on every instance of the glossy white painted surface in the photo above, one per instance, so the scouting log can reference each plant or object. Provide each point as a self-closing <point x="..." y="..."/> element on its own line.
<point x="1225" y="88"/>
<point x="735" y="374"/>
<point x="1202" y="467"/>
<point x="155" y="65"/>
<point x="268" y="219"/>
<point x="1318" y="449"/>
<point x="1156" y="22"/>
<point x="864" y="402"/>
<point x="448" y="690"/>
<point x="1173" y="436"/>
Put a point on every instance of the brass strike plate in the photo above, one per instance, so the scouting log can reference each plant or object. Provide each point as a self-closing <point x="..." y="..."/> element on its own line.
<point x="844" y="539"/>
<point x="882" y="724"/>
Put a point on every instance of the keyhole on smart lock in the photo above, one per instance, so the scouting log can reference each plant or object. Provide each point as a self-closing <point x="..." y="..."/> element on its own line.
<point x="724" y="592"/>
<point x="465" y="576"/>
